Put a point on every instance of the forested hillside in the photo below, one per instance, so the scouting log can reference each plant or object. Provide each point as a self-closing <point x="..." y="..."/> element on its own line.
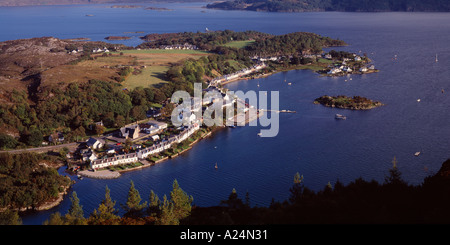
<point x="334" y="5"/>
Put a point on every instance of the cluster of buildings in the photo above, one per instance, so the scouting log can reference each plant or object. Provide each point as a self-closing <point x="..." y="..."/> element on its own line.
<point x="76" y="51"/>
<point x="135" y="131"/>
<point x="99" y="50"/>
<point x="144" y="153"/>
<point x="345" y="68"/>
<point x="216" y="81"/>
<point x="179" y="46"/>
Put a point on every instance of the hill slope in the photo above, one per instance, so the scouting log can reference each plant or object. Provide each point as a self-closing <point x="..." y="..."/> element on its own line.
<point x="334" y="5"/>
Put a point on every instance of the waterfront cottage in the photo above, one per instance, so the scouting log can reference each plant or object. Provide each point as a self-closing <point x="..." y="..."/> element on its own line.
<point x="144" y="153"/>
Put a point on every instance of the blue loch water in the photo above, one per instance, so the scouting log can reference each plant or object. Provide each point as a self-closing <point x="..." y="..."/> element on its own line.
<point x="402" y="45"/>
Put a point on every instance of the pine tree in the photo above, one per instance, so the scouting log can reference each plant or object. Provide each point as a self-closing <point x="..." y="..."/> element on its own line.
<point x="182" y="203"/>
<point x="394" y="174"/>
<point x="75" y="215"/>
<point x="167" y="216"/>
<point x="154" y="205"/>
<point x="133" y="205"/>
<point x="233" y="200"/>
<point x="55" y="219"/>
<point x="297" y="189"/>
<point x="247" y="199"/>
<point x="106" y="214"/>
<point x="75" y="210"/>
<point x="10" y="217"/>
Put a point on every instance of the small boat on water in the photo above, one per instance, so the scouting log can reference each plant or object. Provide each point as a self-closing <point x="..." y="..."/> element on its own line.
<point x="289" y="83"/>
<point x="417" y="154"/>
<point x="79" y="176"/>
<point x="216" y="167"/>
<point x="418" y="100"/>
<point x="339" y="116"/>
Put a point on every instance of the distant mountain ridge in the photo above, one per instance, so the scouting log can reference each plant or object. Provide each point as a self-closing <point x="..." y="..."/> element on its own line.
<point x="335" y="5"/>
<point x="67" y="2"/>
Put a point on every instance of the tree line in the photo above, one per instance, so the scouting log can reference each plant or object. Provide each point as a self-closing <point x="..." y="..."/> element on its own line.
<point x="393" y="201"/>
<point x="167" y="211"/>
<point x="334" y="5"/>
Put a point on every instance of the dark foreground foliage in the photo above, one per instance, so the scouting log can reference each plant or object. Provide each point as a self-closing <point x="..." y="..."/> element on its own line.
<point x="360" y="202"/>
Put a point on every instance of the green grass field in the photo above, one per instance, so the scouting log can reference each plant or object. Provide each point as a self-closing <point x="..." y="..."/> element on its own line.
<point x="150" y="76"/>
<point x="157" y="62"/>
<point x="326" y="61"/>
<point x="239" y="44"/>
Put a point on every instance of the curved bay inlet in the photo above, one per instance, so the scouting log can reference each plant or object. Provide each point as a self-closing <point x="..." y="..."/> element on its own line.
<point x="402" y="46"/>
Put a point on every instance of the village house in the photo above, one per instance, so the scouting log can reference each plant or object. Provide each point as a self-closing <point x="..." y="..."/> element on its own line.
<point x="88" y="155"/>
<point x="157" y="124"/>
<point x="115" y="160"/>
<point x="334" y="71"/>
<point x="328" y="56"/>
<point x="148" y="128"/>
<point x="153" y="112"/>
<point x="56" y="138"/>
<point x="179" y="46"/>
<point x="129" y="132"/>
<point x="95" y="143"/>
<point x="94" y="125"/>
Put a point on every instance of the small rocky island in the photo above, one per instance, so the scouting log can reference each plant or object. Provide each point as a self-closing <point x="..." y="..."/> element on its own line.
<point x="344" y="102"/>
<point x="117" y="38"/>
<point x="158" y="9"/>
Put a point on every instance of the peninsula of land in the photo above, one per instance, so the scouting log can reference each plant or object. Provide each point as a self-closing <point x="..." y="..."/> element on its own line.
<point x="345" y="102"/>
<point x="104" y="106"/>
<point x="337" y="5"/>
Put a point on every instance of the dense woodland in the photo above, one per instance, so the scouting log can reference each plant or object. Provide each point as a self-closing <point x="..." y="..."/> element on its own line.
<point x="360" y="202"/>
<point x="334" y="5"/>
<point x="28" y="180"/>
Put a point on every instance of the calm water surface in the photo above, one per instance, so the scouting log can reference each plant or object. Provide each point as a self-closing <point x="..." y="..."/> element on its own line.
<point x="402" y="45"/>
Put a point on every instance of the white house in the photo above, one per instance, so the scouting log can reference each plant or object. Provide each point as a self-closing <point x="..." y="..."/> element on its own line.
<point x="157" y="124"/>
<point x="334" y="71"/>
<point x="94" y="143"/>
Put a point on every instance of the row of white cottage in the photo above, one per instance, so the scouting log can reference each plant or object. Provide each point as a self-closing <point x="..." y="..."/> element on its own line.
<point x="144" y="153"/>
<point x="237" y="74"/>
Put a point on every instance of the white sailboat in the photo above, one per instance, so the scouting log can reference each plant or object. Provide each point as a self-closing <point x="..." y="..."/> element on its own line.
<point x="436" y="58"/>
